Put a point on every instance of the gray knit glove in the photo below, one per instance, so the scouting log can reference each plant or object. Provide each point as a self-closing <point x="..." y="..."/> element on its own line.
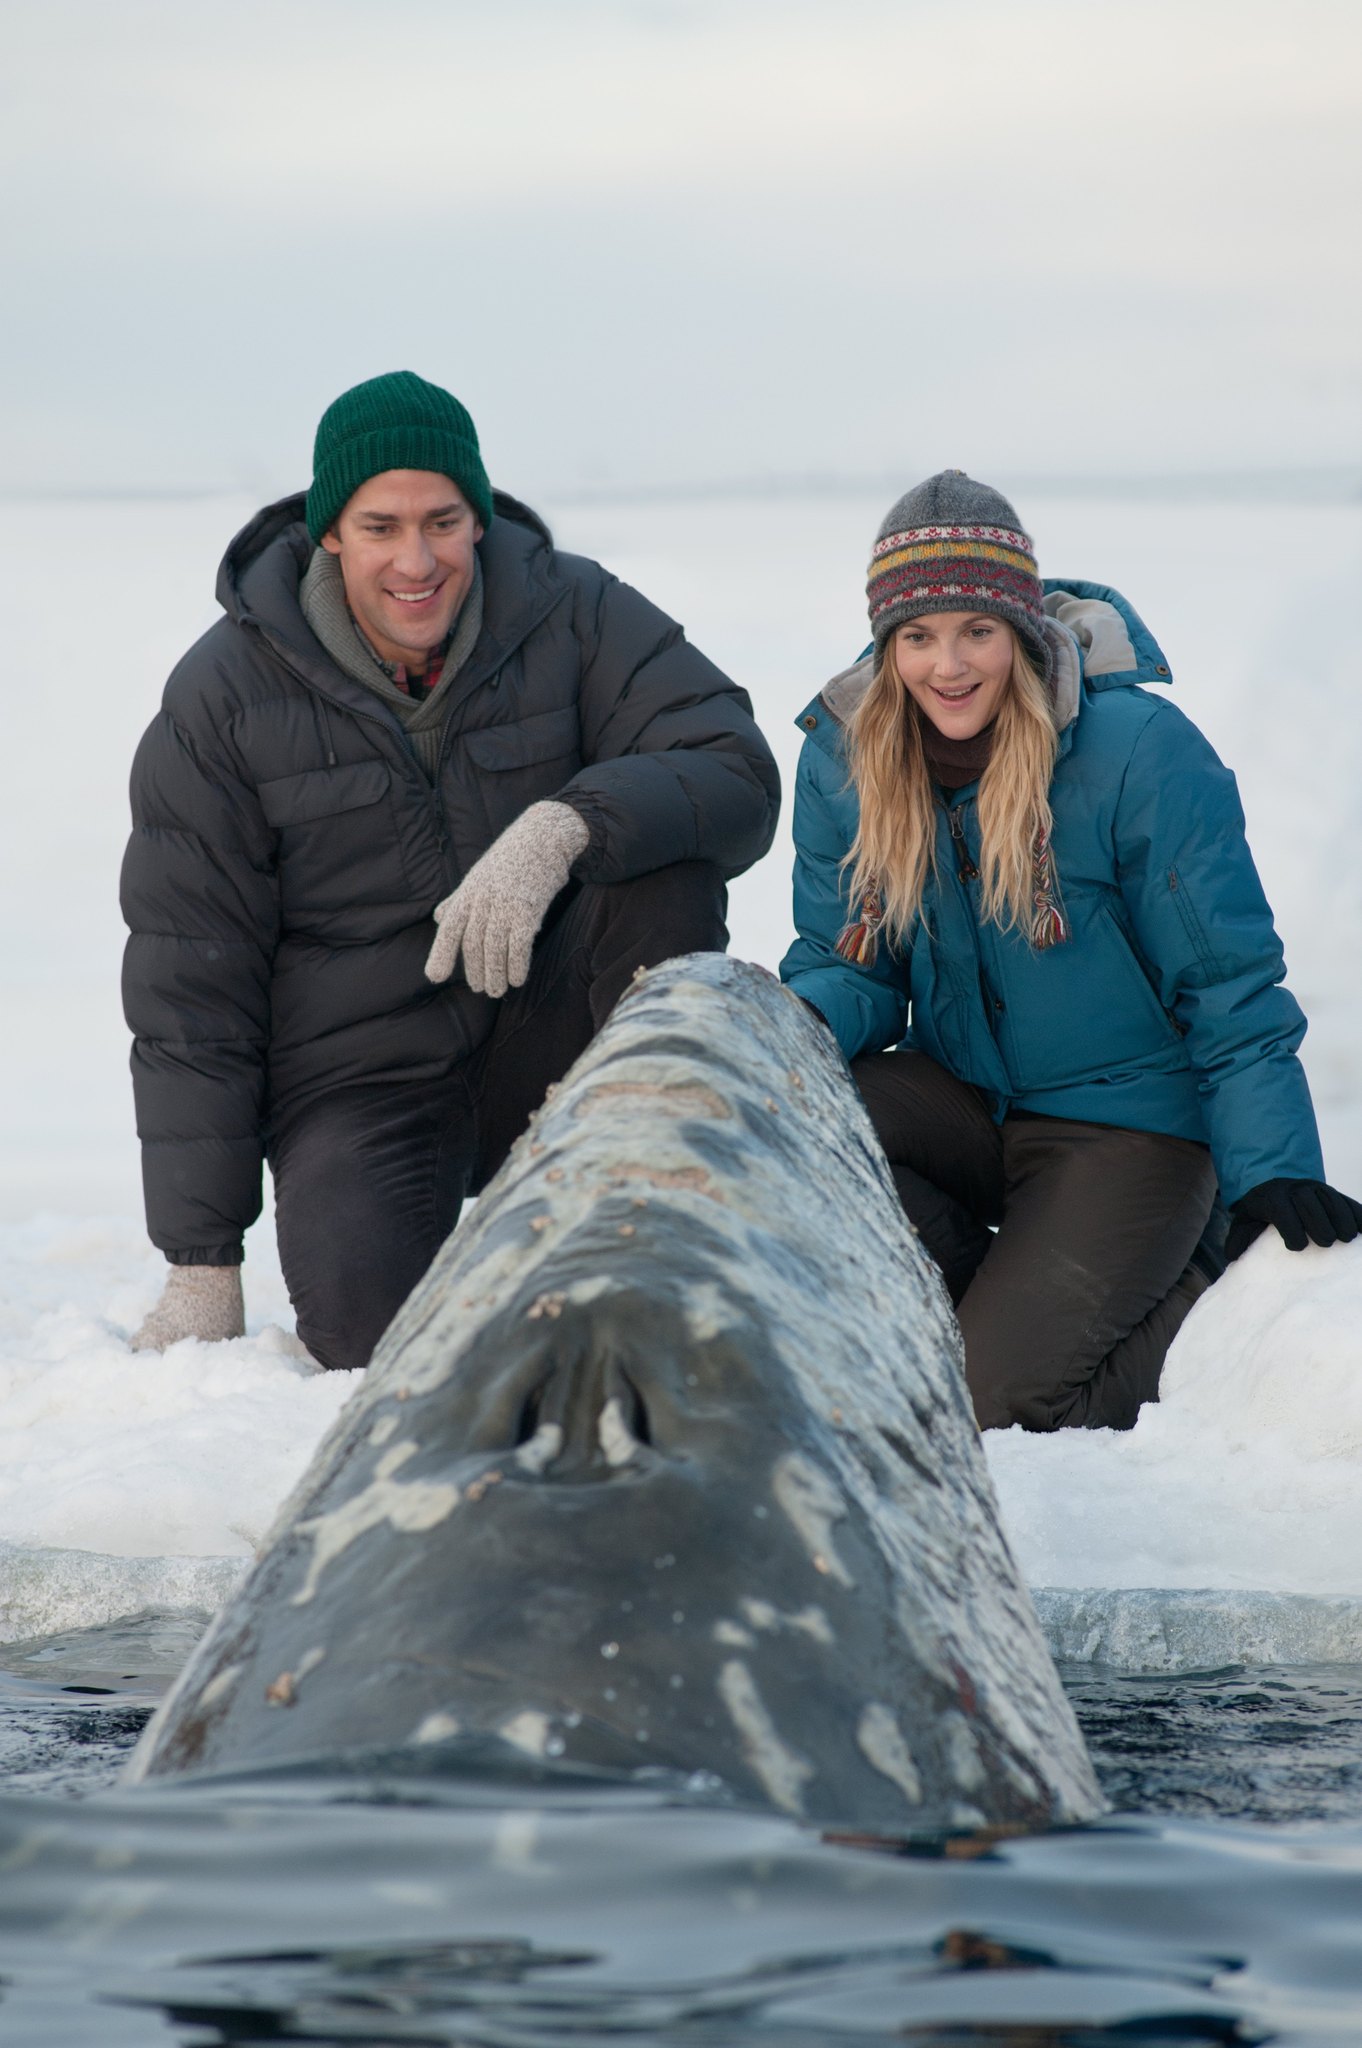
<point x="196" y="1301"/>
<point x="495" y="913"/>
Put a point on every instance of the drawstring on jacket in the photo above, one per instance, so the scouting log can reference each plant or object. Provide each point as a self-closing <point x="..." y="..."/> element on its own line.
<point x="859" y="939"/>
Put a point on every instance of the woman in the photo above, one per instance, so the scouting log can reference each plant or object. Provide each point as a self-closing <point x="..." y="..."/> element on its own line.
<point x="998" y="830"/>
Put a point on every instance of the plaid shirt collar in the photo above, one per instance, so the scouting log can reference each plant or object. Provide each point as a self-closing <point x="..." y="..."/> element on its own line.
<point x="397" y="672"/>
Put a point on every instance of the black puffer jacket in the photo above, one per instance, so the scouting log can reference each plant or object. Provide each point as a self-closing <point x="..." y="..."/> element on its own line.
<point x="287" y="850"/>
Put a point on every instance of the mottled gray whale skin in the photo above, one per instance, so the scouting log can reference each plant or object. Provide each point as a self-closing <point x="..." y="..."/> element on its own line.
<point x="668" y="1461"/>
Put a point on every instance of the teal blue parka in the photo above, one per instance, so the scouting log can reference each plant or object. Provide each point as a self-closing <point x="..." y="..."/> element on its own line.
<point x="1164" y="1011"/>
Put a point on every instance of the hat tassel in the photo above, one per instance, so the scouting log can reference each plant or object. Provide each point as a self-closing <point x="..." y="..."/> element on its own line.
<point x="859" y="941"/>
<point x="1049" y="926"/>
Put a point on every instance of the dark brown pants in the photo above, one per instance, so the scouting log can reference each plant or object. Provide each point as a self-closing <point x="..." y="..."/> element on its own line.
<point x="1064" y="1245"/>
<point x="369" y="1181"/>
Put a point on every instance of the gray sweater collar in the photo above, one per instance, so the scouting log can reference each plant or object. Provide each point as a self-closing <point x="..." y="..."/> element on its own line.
<point x="321" y="595"/>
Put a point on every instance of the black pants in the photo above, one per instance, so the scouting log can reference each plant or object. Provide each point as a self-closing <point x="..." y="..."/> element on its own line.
<point x="368" y="1182"/>
<point x="1064" y="1245"/>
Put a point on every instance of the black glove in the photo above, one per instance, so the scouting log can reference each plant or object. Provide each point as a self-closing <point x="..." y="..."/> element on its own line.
<point x="1304" y="1211"/>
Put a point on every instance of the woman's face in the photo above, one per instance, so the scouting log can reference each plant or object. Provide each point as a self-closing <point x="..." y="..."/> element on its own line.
<point x="955" y="666"/>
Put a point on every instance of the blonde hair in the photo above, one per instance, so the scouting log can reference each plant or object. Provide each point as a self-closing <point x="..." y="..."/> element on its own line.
<point x="894" y="850"/>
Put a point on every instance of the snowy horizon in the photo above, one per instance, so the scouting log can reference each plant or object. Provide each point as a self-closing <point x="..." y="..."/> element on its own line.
<point x="663" y="241"/>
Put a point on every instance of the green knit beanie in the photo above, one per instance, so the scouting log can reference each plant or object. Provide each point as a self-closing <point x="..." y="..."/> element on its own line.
<point x="393" y="422"/>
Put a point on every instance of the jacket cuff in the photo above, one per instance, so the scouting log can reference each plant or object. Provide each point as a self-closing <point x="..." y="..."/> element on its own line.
<point x="862" y="1014"/>
<point x="587" y="864"/>
<point x="210" y="1255"/>
<point x="1262" y="1127"/>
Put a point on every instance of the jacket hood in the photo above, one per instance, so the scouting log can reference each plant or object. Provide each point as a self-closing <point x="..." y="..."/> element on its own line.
<point x="259" y="578"/>
<point x="1117" y="647"/>
<point x="1096" y="638"/>
<point x="279" y="533"/>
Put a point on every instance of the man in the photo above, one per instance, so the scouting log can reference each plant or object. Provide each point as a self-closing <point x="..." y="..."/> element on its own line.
<point x="414" y="705"/>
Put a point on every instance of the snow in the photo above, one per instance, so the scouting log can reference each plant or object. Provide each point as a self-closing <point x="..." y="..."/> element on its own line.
<point x="144" y="1479"/>
<point x="1227" y="1525"/>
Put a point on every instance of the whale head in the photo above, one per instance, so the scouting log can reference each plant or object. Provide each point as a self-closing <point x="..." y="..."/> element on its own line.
<point x="667" y="1465"/>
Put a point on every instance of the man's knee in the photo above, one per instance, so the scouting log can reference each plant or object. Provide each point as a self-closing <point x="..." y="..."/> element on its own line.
<point x="649" y="919"/>
<point x="366" y="1190"/>
<point x="342" y="1312"/>
<point x="672" y="910"/>
<point x="348" y="1272"/>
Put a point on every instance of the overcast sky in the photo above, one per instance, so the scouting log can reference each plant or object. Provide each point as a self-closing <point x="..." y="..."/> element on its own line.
<point x="666" y="241"/>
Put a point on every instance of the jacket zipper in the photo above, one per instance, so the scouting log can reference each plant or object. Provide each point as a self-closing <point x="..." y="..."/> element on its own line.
<point x="965" y="872"/>
<point x="1191" y="924"/>
<point x="965" y="869"/>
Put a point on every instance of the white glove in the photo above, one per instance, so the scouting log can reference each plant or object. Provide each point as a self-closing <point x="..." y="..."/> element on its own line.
<point x="495" y="913"/>
<point x="196" y="1301"/>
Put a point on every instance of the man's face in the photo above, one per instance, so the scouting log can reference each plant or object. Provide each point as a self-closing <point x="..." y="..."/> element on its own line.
<point x="405" y="545"/>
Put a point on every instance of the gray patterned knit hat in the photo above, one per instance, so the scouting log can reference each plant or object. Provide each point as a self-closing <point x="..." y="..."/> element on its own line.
<point x="953" y="545"/>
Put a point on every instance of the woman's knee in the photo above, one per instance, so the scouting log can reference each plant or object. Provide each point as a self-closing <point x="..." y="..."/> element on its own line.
<point x="1077" y="1391"/>
<point x="1003" y="1401"/>
<point x="936" y="1128"/>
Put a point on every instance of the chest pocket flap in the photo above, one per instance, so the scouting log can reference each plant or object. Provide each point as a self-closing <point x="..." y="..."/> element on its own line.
<point x="547" y="736"/>
<point x="323" y="792"/>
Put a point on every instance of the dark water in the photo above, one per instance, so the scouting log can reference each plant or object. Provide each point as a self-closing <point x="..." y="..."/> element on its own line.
<point x="1222" y="1904"/>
